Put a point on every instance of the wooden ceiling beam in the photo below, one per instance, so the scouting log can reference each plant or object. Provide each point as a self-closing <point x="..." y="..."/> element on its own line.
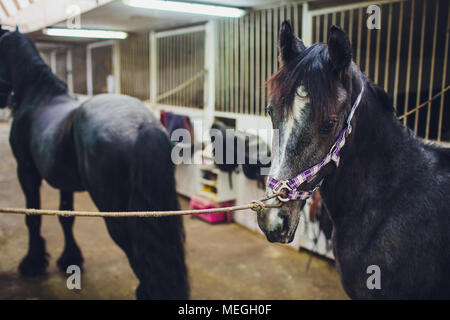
<point x="16" y="3"/>
<point x="4" y="8"/>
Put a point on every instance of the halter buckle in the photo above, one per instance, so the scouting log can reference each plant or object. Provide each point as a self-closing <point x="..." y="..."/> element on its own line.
<point x="284" y="185"/>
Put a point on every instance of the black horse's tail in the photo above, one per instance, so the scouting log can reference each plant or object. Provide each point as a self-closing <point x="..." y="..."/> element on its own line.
<point x="158" y="243"/>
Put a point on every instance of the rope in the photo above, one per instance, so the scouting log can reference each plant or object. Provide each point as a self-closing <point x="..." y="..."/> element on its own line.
<point x="424" y="104"/>
<point x="181" y="86"/>
<point x="255" y="205"/>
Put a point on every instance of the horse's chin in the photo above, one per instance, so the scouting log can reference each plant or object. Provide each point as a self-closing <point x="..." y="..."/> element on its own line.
<point x="275" y="237"/>
<point x="280" y="224"/>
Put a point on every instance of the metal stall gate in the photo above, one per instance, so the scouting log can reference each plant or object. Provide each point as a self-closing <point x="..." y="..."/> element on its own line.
<point x="180" y="67"/>
<point x="247" y="57"/>
<point x="408" y="57"/>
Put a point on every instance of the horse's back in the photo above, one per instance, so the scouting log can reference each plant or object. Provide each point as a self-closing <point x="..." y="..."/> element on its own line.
<point x="114" y="117"/>
<point x="106" y="129"/>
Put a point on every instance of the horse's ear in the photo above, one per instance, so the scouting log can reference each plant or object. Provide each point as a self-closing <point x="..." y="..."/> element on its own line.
<point x="289" y="45"/>
<point x="339" y="48"/>
<point x="2" y="31"/>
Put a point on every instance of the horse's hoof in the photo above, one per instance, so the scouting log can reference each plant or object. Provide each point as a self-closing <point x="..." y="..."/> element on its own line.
<point x="33" y="265"/>
<point x="69" y="258"/>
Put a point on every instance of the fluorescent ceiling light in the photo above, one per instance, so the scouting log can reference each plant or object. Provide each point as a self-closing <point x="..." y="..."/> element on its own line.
<point x="85" y="33"/>
<point x="187" y="7"/>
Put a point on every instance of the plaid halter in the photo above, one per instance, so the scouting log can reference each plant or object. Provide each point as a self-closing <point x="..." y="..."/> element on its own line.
<point x="292" y="184"/>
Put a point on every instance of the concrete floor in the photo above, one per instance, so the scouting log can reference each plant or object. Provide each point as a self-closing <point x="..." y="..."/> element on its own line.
<point x="224" y="261"/>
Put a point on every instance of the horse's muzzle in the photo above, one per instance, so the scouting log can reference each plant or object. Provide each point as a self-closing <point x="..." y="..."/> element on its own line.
<point x="280" y="224"/>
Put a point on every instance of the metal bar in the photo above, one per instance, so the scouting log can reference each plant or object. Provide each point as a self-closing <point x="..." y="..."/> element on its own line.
<point x="388" y="50"/>
<point x="89" y="82"/>
<point x="226" y="55"/>
<point x="270" y="45"/>
<point x="325" y="28"/>
<point x="222" y="65"/>
<point x="358" y="48"/>
<point x="175" y="32"/>
<point x="397" y="64"/>
<point x="444" y="75"/>
<point x="241" y="65"/>
<point x="276" y="25"/>
<point x="316" y="29"/>
<point x="252" y="63"/>
<point x="171" y="66"/>
<point x="350" y="26"/>
<point x="231" y="64"/>
<point x="419" y="80"/>
<point x="257" y="62"/>
<point x="236" y="66"/>
<point x="444" y="90"/>
<point x="247" y="63"/>
<point x="296" y="19"/>
<point x="359" y="5"/>
<point x="192" y="71"/>
<point x="174" y="67"/>
<point x="368" y="42"/>
<point x="288" y="13"/>
<point x="166" y="66"/>
<point x="263" y="76"/>
<point x="408" y="67"/>
<point x="161" y="68"/>
<point x="377" y="55"/>
<point x="433" y="56"/>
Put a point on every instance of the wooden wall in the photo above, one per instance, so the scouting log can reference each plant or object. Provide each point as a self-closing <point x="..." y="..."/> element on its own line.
<point x="79" y="69"/>
<point x="134" y="66"/>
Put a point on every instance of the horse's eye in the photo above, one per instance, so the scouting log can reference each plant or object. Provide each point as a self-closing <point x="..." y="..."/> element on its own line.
<point x="327" y="126"/>
<point x="269" y="110"/>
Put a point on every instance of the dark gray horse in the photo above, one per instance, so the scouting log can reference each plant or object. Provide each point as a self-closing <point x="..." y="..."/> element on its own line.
<point x="113" y="147"/>
<point x="389" y="198"/>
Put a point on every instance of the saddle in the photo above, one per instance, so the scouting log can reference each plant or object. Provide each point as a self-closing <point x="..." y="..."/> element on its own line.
<point x="253" y="161"/>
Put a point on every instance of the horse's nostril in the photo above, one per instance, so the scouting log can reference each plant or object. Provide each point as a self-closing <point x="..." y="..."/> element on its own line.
<point x="285" y="224"/>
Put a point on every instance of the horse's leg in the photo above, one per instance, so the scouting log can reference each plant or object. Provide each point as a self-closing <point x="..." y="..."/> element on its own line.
<point x="155" y="250"/>
<point x="36" y="260"/>
<point x="72" y="253"/>
<point x="158" y="258"/>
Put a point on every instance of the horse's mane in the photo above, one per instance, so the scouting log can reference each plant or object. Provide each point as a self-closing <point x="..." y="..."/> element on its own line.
<point x="312" y="69"/>
<point x="381" y="96"/>
<point x="27" y="62"/>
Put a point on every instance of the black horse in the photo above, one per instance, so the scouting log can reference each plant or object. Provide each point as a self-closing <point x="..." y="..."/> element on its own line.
<point x="113" y="147"/>
<point x="389" y="198"/>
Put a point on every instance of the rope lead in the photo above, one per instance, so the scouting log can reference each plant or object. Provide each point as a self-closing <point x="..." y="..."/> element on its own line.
<point x="255" y="205"/>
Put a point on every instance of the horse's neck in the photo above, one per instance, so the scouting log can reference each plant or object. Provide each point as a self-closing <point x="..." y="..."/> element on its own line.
<point x="371" y="163"/>
<point x="38" y="87"/>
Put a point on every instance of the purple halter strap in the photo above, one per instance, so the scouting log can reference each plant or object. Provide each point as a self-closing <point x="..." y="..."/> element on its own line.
<point x="292" y="184"/>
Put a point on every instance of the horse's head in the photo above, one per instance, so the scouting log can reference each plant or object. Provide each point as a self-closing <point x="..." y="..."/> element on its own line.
<point x="5" y="79"/>
<point x="310" y="100"/>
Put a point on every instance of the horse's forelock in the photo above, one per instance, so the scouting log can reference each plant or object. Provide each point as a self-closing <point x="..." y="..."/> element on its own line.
<point x="312" y="71"/>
